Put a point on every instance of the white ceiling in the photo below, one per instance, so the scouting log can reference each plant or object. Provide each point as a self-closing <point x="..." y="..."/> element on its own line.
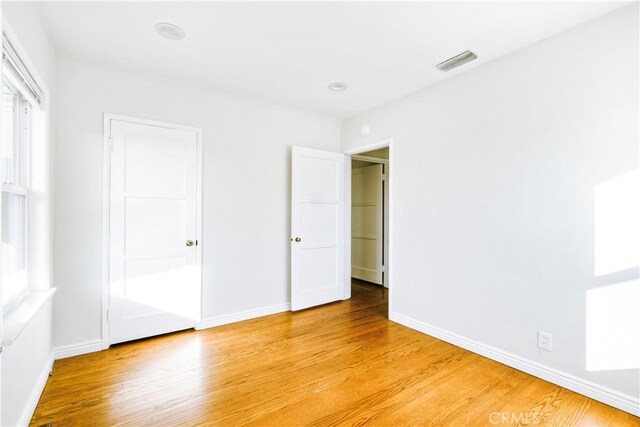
<point x="288" y="53"/>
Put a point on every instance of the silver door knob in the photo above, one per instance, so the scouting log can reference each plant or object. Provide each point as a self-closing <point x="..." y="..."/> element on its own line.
<point x="297" y="239"/>
<point x="189" y="243"/>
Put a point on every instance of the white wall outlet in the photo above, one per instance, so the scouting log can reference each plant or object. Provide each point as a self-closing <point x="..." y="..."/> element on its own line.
<point x="544" y="340"/>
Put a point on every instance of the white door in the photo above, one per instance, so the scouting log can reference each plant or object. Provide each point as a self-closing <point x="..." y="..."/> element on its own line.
<point x="154" y="267"/>
<point x="317" y="228"/>
<point x="367" y="241"/>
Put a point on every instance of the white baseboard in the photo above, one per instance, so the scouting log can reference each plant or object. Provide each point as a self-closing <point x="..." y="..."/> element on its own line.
<point x="225" y="319"/>
<point x="595" y="391"/>
<point x="97" y="345"/>
<point x="362" y="273"/>
<point x="38" y="388"/>
<point x="77" y="349"/>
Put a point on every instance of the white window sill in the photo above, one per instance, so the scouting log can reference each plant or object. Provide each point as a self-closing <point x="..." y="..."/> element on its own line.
<point x="17" y="318"/>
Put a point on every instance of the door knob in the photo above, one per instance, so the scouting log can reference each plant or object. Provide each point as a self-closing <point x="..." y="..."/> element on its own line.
<point x="189" y="243"/>
<point x="298" y="239"/>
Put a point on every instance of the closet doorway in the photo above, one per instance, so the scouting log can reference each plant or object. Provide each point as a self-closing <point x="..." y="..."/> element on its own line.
<point x="370" y="216"/>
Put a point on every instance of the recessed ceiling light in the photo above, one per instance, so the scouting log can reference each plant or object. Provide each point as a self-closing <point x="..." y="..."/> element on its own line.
<point x="338" y="86"/>
<point x="169" y="31"/>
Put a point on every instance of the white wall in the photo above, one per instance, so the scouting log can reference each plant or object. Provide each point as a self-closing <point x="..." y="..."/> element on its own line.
<point x="494" y="171"/>
<point x="26" y="359"/>
<point x="25" y="368"/>
<point x="246" y="188"/>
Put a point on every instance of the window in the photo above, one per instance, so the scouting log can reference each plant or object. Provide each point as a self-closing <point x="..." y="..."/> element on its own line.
<point x="20" y="94"/>
<point x="14" y="152"/>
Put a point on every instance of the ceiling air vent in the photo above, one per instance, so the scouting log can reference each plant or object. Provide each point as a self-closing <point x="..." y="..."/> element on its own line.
<point x="457" y="61"/>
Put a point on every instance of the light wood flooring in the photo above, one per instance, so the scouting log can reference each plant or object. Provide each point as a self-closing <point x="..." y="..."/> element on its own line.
<point x="339" y="364"/>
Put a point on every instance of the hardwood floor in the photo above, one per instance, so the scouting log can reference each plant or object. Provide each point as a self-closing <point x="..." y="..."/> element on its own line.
<point x="339" y="364"/>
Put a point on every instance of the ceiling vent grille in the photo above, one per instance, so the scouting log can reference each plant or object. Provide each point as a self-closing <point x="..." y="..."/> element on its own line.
<point x="457" y="61"/>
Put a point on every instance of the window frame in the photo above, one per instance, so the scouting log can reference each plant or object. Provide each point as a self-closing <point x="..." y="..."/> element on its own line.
<point x="21" y="187"/>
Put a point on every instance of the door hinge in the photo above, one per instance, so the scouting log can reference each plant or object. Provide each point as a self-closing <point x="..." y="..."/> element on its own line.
<point x="110" y="144"/>
<point x="108" y="315"/>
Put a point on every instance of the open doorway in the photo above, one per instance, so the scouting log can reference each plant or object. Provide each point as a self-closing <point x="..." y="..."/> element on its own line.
<point x="370" y="221"/>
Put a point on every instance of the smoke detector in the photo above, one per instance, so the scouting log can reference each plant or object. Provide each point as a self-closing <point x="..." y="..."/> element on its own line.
<point x="169" y="31"/>
<point x="338" y="86"/>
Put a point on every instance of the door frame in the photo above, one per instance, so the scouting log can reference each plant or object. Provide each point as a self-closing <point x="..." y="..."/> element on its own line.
<point x="106" y="206"/>
<point x="390" y="175"/>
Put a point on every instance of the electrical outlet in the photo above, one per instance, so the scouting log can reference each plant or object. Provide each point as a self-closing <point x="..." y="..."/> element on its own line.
<point x="544" y="340"/>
